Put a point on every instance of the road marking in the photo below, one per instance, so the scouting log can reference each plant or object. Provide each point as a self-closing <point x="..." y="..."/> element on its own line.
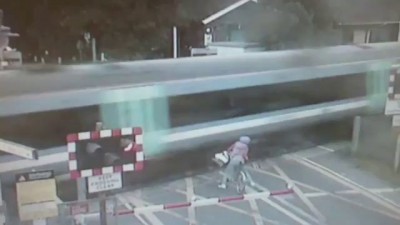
<point x="326" y="148"/>
<point x="297" y="209"/>
<point x="139" y="202"/>
<point x="289" y="205"/>
<point x="189" y="198"/>
<point x="347" y="182"/>
<point x="301" y="195"/>
<point x="373" y="190"/>
<point x="255" y="211"/>
<point x="282" y="210"/>
<point x="129" y="206"/>
<point x="225" y="205"/>
<point x="320" y="191"/>
<point x="354" y="192"/>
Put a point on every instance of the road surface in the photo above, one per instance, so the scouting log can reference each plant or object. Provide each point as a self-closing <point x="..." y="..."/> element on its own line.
<point x="328" y="189"/>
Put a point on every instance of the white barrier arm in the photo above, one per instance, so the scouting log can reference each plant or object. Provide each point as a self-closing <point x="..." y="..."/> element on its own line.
<point x="18" y="149"/>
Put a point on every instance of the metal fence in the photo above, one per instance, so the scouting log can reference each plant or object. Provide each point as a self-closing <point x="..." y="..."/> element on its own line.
<point x="86" y="212"/>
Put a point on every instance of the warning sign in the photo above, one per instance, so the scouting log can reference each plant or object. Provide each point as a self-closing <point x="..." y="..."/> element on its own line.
<point x="104" y="182"/>
<point x="36" y="195"/>
<point x="42" y="175"/>
<point x="79" y="208"/>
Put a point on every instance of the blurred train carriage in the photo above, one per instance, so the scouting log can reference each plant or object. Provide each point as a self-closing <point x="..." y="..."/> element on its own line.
<point x="174" y="100"/>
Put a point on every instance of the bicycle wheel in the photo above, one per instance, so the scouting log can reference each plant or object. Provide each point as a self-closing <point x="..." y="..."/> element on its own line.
<point x="241" y="183"/>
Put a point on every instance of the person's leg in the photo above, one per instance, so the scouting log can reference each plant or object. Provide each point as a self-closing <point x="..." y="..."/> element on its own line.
<point x="227" y="174"/>
<point x="223" y="182"/>
<point x="248" y="176"/>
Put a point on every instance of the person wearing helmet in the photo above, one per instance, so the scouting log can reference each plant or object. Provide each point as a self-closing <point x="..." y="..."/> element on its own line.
<point x="238" y="154"/>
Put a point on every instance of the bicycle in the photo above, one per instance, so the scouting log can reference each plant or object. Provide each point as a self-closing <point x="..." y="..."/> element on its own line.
<point x="222" y="159"/>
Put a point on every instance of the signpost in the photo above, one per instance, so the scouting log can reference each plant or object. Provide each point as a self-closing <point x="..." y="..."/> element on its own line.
<point x="36" y="195"/>
<point x="102" y="156"/>
<point x="393" y="94"/>
<point x="392" y="108"/>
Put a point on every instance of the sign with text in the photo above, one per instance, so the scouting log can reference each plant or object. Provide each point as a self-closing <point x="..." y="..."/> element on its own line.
<point x="36" y="195"/>
<point x="79" y="208"/>
<point x="104" y="182"/>
<point x="41" y="175"/>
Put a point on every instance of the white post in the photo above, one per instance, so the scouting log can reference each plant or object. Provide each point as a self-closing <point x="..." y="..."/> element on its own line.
<point x="94" y="53"/>
<point x="35" y="59"/>
<point x="398" y="35"/>
<point x="81" y="187"/>
<point x="356" y="134"/>
<point x="397" y="155"/>
<point x="103" y="58"/>
<point x="42" y="59"/>
<point x="59" y="60"/>
<point x="175" y="41"/>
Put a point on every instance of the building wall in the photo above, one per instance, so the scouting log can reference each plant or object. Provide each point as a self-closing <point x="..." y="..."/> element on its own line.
<point x="234" y="50"/>
<point x="370" y="33"/>
<point x="234" y="26"/>
<point x="228" y="50"/>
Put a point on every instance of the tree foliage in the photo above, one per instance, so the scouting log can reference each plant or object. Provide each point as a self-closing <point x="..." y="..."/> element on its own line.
<point x="126" y="29"/>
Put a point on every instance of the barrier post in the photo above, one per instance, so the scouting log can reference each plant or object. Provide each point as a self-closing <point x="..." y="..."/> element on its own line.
<point x="356" y="134"/>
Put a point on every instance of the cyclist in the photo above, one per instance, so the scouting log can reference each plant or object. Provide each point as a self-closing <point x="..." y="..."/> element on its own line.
<point x="238" y="154"/>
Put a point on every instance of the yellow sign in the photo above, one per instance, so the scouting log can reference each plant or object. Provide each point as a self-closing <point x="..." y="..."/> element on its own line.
<point x="36" y="198"/>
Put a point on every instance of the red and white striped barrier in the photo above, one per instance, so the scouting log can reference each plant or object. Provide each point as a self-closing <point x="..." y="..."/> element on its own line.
<point x="137" y="134"/>
<point x="205" y="202"/>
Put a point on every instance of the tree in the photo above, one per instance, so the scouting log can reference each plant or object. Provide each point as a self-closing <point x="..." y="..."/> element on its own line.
<point x="297" y="22"/>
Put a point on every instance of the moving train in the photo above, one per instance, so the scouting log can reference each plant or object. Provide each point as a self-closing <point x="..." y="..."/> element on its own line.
<point x="185" y="102"/>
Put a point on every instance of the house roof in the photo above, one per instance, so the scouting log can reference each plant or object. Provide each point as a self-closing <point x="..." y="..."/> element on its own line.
<point x="199" y="9"/>
<point x="364" y="11"/>
<point x="226" y="10"/>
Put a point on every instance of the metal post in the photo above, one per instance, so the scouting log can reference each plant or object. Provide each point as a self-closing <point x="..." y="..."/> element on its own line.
<point x="1" y="59"/>
<point x="397" y="155"/>
<point x="398" y="35"/>
<point x="94" y="53"/>
<point x="81" y="189"/>
<point x="175" y="41"/>
<point x="356" y="134"/>
<point x="103" y="208"/>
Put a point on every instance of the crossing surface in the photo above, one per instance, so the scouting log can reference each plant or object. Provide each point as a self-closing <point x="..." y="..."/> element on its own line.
<point x="328" y="188"/>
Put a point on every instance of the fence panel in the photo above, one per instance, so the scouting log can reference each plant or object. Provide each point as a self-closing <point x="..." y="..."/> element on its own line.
<point x="86" y="212"/>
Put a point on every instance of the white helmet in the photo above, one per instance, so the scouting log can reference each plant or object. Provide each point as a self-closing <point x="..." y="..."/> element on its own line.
<point x="245" y="140"/>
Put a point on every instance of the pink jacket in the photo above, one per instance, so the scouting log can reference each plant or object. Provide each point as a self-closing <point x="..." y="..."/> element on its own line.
<point x="239" y="149"/>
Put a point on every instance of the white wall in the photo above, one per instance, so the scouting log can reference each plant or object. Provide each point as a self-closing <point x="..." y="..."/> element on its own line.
<point x="234" y="50"/>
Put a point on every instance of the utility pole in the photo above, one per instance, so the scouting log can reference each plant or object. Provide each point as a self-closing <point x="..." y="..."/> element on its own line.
<point x="94" y="52"/>
<point x="175" y="41"/>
